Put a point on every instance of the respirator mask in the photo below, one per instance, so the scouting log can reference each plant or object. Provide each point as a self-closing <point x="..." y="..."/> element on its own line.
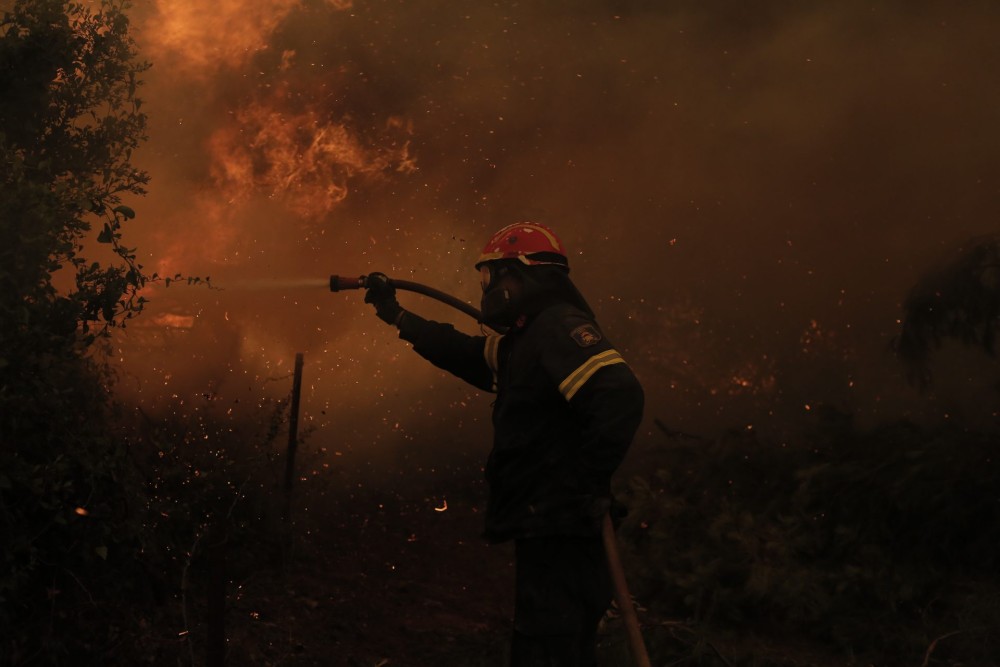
<point x="499" y="302"/>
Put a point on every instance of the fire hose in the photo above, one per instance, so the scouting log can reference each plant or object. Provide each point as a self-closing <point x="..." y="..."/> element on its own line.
<point x="622" y="596"/>
<point x="338" y="284"/>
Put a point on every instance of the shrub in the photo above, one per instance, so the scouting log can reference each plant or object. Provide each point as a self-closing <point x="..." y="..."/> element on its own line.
<point x="859" y="540"/>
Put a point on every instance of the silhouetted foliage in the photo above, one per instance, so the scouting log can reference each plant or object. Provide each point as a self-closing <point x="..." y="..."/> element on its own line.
<point x="870" y="543"/>
<point x="960" y="301"/>
<point x="212" y="509"/>
<point x="69" y="121"/>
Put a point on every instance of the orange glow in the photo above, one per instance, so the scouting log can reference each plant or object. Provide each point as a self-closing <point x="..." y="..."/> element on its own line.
<point x="198" y="38"/>
<point x="284" y="142"/>
<point x="174" y="320"/>
<point x="306" y="159"/>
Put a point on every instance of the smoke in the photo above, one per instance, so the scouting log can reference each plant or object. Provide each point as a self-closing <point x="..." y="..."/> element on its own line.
<point x="747" y="193"/>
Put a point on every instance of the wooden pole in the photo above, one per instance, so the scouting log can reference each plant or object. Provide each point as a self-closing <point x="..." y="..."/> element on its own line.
<point x="622" y="595"/>
<point x="293" y="424"/>
<point x="293" y="443"/>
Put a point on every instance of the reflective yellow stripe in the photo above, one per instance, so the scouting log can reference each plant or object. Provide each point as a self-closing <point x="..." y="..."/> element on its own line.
<point x="491" y="353"/>
<point x="579" y="377"/>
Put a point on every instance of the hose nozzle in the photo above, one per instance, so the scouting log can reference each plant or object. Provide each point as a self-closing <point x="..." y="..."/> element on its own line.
<point x="337" y="283"/>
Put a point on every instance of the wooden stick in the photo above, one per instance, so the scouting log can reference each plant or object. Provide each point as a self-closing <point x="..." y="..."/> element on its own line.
<point x="293" y="423"/>
<point x="622" y="596"/>
<point x="293" y="442"/>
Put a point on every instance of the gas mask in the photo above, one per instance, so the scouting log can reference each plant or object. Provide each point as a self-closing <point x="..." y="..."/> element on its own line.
<point x="512" y="291"/>
<point x="501" y="289"/>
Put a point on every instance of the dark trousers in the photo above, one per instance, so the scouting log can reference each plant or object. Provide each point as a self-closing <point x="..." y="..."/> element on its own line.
<point x="562" y="590"/>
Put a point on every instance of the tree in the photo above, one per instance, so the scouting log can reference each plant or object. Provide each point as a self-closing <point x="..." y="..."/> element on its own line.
<point x="69" y="122"/>
<point x="960" y="301"/>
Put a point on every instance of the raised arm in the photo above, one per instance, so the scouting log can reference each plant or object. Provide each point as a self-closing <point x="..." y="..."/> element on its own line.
<point x="471" y="358"/>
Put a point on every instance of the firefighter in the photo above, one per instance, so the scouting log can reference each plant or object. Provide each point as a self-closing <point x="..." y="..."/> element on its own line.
<point x="567" y="407"/>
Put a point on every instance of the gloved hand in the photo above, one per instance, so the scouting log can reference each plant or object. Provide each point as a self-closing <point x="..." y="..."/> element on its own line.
<point x="382" y="295"/>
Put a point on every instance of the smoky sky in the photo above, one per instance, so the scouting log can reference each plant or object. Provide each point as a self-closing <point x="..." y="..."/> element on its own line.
<point x="747" y="192"/>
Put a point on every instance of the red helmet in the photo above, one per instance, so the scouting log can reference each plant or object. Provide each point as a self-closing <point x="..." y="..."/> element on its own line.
<point x="528" y="242"/>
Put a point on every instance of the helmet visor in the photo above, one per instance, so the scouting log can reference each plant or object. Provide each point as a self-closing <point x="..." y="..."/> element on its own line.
<point x="490" y="274"/>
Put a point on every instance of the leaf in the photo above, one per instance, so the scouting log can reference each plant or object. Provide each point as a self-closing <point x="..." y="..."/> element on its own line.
<point x="105" y="236"/>
<point x="125" y="211"/>
<point x="101" y="551"/>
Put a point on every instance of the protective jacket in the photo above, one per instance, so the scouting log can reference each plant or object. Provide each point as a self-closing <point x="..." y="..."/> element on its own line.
<point x="566" y="411"/>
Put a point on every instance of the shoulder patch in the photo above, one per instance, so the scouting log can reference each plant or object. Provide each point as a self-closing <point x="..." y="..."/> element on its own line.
<point x="586" y="335"/>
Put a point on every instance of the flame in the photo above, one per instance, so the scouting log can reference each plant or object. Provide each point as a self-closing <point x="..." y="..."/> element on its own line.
<point x="283" y="141"/>
<point x="305" y="159"/>
<point x="174" y="321"/>
<point x="198" y="38"/>
<point x="262" y="139"/>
